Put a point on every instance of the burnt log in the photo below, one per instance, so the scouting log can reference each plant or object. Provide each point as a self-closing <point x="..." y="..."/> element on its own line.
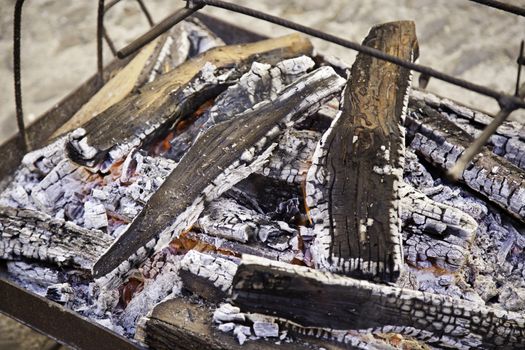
<point x="161" y="103"/>
<point x="29" y="234"/>
<point x="224" y="155"/>
<point x="358" y="165"/>
<point x="313" y="298"/>
<point x="441" y="142"/>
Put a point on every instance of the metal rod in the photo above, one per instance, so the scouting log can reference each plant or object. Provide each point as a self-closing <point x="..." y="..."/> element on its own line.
<point x="505" y="101"/>
<point x="146" y="13"/>
<point x="157" y="30"/>
<point x="17" y="30"/>
<point x="520" y="63"/>
<point x="110" y="43"/>
<point x="100" y="34"/>
<point x="502" y="6"/>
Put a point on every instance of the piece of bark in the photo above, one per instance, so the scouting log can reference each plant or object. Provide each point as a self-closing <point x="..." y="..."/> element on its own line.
<point x="508" y="141"/>
<point x="358" y="165"/>
<point x="172" y="96"/>
<point x="442" y="142"/>
<point x="320" y="299"/>
<point x="207" y="276"/>
<point x="179" y="323"/>
<point x="30" y="234"/>
<point x="224" y="155"/>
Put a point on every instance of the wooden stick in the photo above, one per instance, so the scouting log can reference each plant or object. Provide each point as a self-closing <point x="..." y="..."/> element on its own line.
<point x="358" y="165"/>
<point x="313" y="298"/>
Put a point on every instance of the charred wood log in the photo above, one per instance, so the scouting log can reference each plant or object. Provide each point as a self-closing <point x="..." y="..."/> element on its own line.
<point x="26" y="233"/>
<point x="358" y="165"/>
<point x="319" y="299"/>
<point x="232" y="150"/>
<point x="175" y="94"/>
<point x="508" y="140"/>
<point x="167" y="327"/>
<point x="441" y="142"/>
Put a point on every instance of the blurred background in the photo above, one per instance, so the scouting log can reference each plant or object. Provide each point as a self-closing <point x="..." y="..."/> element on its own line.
<point x="457" y="37"/>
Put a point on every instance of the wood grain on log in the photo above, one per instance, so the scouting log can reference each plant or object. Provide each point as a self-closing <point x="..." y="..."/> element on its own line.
<point x="26" y="233"/>
<point x="173" y="95"/>
<point x="321" y="299"/>
<point x="441" y="142"/>
<point x="357" y="167"/>
<point x="224" y="155"/>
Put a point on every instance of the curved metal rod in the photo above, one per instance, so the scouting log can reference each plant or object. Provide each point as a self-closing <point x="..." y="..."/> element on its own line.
<point x="505" y="101"/>
<point x="17" y="30"/>
<point x="502" y="6"/>
<point x="100" y="35"/>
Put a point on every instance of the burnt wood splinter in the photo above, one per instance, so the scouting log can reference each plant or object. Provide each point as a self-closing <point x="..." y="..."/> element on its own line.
<point x="352" y="186"/>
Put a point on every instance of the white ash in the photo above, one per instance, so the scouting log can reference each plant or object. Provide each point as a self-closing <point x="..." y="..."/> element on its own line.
<point x="291" y="161"/>
<point x="166" y="284"/>
<point x="32" y="276"/>
<point x="219" y="271"/>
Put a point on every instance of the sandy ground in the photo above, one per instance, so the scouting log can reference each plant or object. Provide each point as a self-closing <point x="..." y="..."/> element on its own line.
<point x="58" y="48"/>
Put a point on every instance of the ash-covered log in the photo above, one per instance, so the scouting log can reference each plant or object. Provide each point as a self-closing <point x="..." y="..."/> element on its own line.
<point x="441" y="142"/>
<point x="224" y="155"/>
<point x="320" y="299"/>
<point x="352" y="186"/>
<point x="30" y="234"/>
<point x="172" y="96"/>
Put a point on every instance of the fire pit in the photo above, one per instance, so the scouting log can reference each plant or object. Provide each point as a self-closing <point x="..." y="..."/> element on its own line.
<point x="248" y="192"/>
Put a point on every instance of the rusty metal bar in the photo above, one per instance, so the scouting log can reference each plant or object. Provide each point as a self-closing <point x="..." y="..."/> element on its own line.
<point x="157" y="30"/>
<point x="17" y="33"/>
<point x="502" y="6"/>
<point x="146" y="12"/>
<point x="54" y="320"/>
<point x="100" y="48"/>
<point x="505" y="101"/>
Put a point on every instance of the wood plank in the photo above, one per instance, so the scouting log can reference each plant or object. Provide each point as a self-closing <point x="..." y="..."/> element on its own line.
<point x="321" y="299"/>
<point x="358" y="165"/>
<point x="173" y="95"/>
<point x="227" y="153"/>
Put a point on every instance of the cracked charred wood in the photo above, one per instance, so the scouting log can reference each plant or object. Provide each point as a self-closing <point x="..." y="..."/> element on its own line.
<point x="508" y="141"/>
<point x="313" y="298"/>
<point x="173" y="95"/>
<point x="182" y="324"/>
<point x="434" y="231"/>
<point x="30" y="234"/>
<point x="263" y="81"/>
<point x="224" y="155"/>
<point x="357" y="167"/>
<point x="207" y="276"/>
<point x="291" y="160"/>
<point x="441" y="142"/>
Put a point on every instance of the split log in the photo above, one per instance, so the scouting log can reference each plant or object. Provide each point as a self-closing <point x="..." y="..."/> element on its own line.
<point x="175" y="94"/>
<point x="224" y="155"/>
<point x="442" y="142"/>
<point x="358" y="165"/>
<point x="508" y="141"/>
<point x="179" y="323"/>
<point x="320" y="299"/>
<point x="26" y="233"/>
